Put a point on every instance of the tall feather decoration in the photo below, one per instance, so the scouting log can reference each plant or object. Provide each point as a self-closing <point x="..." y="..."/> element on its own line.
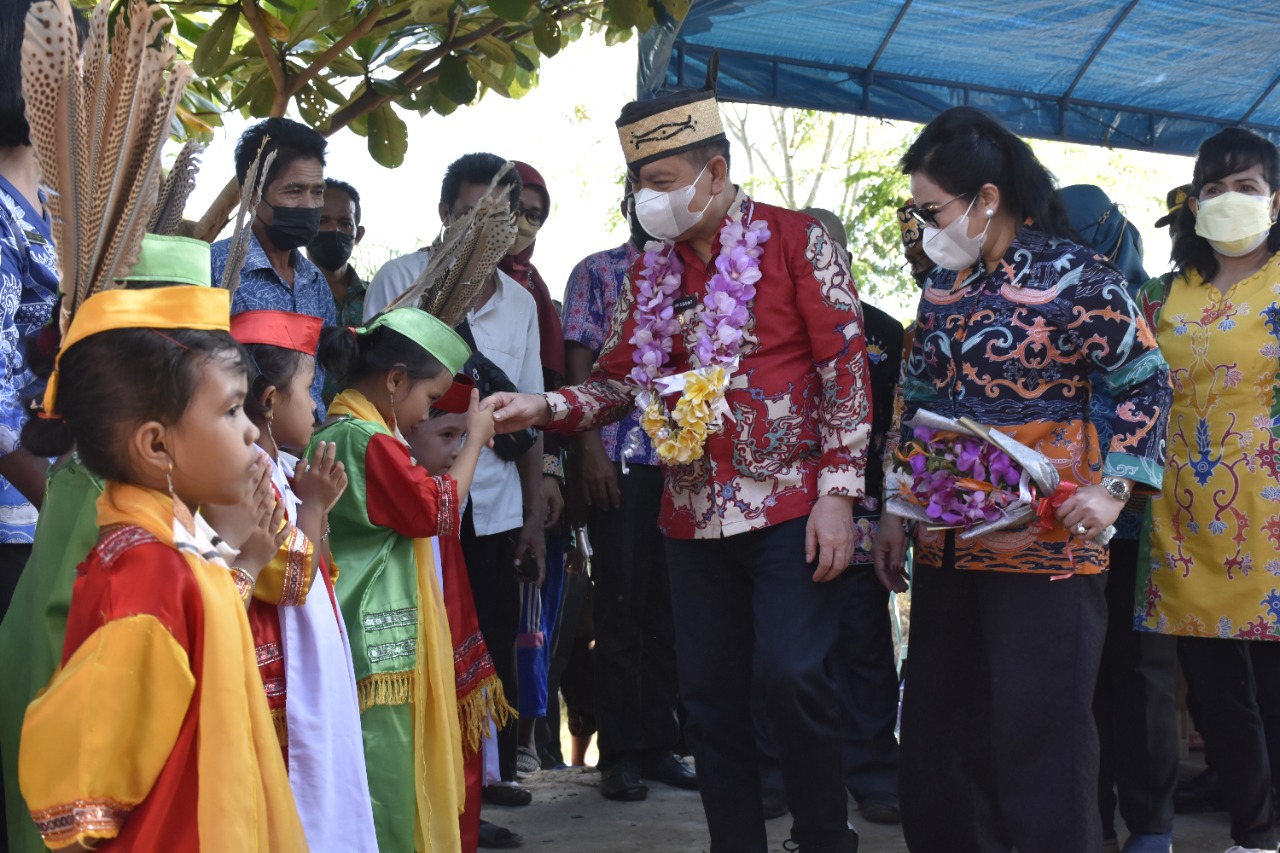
<point x="463" y="258"/>
<point x="176" y="189"/>
<point x="250" y="198"/>
<point x="98" y="122"/>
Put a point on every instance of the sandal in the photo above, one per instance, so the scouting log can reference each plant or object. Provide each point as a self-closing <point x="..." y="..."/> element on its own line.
<point x="494" y="837"/>
<point x="527" y="761"/>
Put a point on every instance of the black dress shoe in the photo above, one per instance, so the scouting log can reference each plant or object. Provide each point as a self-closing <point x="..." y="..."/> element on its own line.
<point x="670" y="769"/>
<point x="622" y="782"/>
<point x="773" y="803"/>
<point x="506" y="794"/>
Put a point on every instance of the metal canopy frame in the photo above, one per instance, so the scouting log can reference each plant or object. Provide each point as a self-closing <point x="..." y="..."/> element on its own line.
<point x="672" y="61"/>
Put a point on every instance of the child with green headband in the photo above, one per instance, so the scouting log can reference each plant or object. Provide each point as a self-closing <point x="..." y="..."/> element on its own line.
<point x="393" y="371"/>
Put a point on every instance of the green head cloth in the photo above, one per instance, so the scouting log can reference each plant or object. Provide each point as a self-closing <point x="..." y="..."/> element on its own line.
<point x="426" y="331"/>
<point x="173" y="260"/>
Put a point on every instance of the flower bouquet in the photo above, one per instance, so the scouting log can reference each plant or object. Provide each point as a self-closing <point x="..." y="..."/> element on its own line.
<point x="955" y="474"/>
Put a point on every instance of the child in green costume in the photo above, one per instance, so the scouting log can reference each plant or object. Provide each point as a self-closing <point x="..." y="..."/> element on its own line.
<point x="394" y="370"/>
<point x="33" y="630"/>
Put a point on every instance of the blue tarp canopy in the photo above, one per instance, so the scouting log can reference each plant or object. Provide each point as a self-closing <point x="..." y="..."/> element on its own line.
<point x="1158" y="75"/>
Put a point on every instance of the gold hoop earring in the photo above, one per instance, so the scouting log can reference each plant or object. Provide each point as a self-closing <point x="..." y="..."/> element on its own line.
<point x="181" y="514"/>
<point x="272" y="435"/>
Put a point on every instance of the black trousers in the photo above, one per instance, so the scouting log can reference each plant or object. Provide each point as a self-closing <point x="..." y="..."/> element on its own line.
<point x="752" y="596"/>
<point x="635" y="656"/>
<point x="1134" y="708"/>
<point x="1237" y="683"/>
<point x="491" y="569"/>
<point x="999" y="748"/>
<point x="868" y="680"/>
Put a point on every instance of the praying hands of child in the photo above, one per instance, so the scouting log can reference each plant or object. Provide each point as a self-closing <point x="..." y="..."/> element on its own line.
<point x="318" y="483"/>
<point x="256" y="525"/>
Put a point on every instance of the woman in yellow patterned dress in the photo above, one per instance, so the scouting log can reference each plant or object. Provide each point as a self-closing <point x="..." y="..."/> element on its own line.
<point x="1213" y="575"/>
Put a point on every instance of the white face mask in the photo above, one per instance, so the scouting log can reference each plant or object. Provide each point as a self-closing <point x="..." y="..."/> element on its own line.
<point x="951" y="247"/>
<point x="667" y="215"/>
<point x="1234" y="223"/>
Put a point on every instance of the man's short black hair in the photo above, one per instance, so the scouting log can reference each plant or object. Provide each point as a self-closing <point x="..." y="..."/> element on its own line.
<point x="14" y="130"/>
<point x="290" y="140"/>
<point x="335" y="184"/>
<point x="477" y="168"/>
<point x="703" y="154"/>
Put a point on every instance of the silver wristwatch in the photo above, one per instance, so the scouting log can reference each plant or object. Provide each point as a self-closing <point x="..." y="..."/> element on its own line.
<point x="1117" y="488"/>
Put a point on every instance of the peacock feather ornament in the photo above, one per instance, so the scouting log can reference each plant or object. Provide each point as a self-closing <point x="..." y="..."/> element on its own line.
<point x="99" y="118"/>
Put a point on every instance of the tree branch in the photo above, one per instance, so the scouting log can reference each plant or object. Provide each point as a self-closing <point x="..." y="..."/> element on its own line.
<point x="263" y="38"/>
<point x="415" y="76"/>
<point x="339" y="47"/>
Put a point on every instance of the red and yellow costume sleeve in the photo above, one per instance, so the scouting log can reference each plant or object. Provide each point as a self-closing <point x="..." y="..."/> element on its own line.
<point x="404" y="497"/>
<point x="93" y="747"/>
<point x="287" y="579"/>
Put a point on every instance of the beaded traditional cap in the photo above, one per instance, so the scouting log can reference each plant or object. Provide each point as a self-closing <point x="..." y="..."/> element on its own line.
<point x="671" y="124"/>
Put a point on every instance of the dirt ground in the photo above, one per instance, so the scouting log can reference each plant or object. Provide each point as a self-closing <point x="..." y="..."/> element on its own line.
<point x="568" y="814"/>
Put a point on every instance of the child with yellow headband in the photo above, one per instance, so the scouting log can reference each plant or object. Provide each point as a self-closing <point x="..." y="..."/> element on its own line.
<point x="155" y="732"/>
<point x="394" y="370"/>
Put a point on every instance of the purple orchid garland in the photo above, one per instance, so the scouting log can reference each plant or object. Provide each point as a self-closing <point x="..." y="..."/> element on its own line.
<point x="726" y="305"/>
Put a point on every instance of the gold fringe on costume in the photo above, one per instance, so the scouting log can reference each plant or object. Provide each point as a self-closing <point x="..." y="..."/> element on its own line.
<point x="282" y="726"/>
<point x="385" y="688"/>
<point x="487" y="700"/>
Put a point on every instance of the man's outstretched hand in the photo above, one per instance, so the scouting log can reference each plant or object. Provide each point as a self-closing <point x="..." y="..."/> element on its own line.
<point x="514" y="412"/>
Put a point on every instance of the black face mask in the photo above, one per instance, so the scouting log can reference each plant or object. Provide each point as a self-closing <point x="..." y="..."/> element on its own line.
<point x="292" y="227"/>
<point x="331" y="249"/>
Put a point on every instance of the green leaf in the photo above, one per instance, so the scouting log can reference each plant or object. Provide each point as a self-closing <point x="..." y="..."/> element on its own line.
<point x="247" y="94"/>
<point x="486" y="76"/>
<point x="312" y="106"/>
<point x="496" y="50"/>
<point x="331" y="10"/>
<point x="523" y="59"/>
<point x="214" y="47"/>
<point x="431" y="11"/>
<point x="388" y="137"/>
<point x="512" y="10"/>
<point x="344" y="65"/>
<point x="546" y="35"/>
<point x="614" y="36"/>
<point x="456" y="82"/>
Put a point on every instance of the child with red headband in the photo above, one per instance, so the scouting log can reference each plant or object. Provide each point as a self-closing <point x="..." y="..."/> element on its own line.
<point x="303" y="655"/>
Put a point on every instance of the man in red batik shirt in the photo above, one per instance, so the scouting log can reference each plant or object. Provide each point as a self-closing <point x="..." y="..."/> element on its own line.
<point x="740" y="338"/>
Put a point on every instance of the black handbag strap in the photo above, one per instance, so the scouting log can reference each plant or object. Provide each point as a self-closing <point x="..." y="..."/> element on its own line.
<point x="464" y="331"/>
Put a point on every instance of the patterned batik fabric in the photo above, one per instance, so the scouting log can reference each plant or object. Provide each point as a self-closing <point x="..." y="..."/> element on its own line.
<point x="1213" y="566"/>
<point x="1014" y="349"/>
<point x="262" y="289"/>
<point x="28" y="290"/>
<point x="799" y="403"/>
<point x="590" y="299"/>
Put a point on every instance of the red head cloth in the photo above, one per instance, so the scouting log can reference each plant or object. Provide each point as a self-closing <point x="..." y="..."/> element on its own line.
<point x="458" y="398"/>
<point x="284" y="329"/>
<point x="521" y="268"/>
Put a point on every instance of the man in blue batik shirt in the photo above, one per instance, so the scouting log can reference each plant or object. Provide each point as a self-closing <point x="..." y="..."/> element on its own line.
<point x="276" y="276"/>
<point x="28" y="288"/>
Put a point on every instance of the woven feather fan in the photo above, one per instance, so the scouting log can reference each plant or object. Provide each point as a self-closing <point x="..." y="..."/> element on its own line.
<point x="250" y="197"/>
<point x="175" y="189"/>
<point x="463" y="258"/>
<point x="98" y="122"/>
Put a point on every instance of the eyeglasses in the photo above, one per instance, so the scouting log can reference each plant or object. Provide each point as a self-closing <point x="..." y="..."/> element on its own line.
<point x="927" y="215"/>
<point x="535" y="216"/>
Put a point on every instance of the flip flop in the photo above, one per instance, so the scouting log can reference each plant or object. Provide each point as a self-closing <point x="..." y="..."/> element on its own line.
<point x="494" y="837"/>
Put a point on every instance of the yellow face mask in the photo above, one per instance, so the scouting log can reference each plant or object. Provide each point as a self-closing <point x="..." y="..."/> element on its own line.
<point x="1234" y="223"/>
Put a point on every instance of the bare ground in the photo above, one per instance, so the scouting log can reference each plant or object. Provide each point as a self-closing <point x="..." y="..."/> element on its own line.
<point x="568" y="814"/>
